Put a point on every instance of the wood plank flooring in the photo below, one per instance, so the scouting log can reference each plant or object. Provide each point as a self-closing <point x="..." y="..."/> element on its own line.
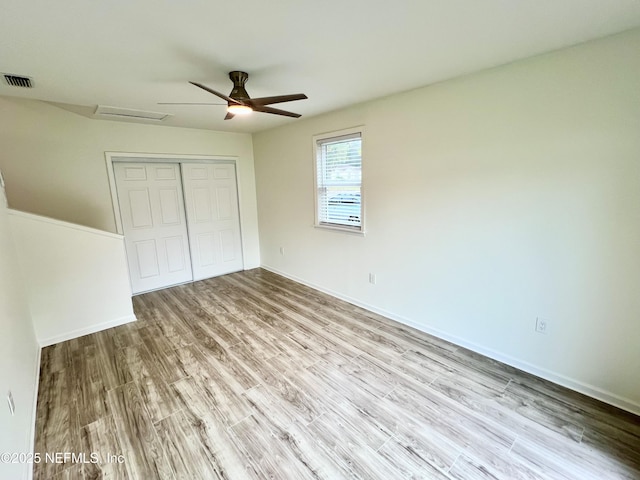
<point x="253" y="376"/>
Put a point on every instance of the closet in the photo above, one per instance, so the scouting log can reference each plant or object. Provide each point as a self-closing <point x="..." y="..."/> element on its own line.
<point x="180" y="221"/>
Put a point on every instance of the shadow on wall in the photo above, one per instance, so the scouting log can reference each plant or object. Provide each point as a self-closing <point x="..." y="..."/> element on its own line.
<point x="51" y="203"/>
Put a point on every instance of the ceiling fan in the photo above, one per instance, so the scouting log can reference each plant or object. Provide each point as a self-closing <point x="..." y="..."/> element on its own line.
<point x="239" y="102"/>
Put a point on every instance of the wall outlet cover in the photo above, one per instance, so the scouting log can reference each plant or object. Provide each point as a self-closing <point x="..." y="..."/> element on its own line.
<point x="542" y="325"/>
<point x="12" y="405"/>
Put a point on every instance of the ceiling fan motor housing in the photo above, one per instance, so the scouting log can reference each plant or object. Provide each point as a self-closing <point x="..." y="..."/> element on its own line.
<point x="239" y="79"/>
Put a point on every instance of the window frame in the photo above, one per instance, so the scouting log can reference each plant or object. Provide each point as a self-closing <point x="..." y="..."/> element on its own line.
<point x="328" y="136"/>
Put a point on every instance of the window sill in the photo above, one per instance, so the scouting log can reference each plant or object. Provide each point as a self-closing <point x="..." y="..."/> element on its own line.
<point x="338" y="228"/>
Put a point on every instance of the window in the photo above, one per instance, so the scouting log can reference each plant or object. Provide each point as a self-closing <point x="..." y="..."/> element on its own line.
<point x="338" y="158"/>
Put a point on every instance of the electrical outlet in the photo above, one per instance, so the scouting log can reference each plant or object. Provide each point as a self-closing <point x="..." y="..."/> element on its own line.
<point x="542" y="325"/>
<point x="12" y="405"/>
<point x="281" y="250"/>
<point x="372" y="278"/>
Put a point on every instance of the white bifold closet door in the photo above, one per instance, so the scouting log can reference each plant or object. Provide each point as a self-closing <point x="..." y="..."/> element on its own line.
<point x="180" y="222"/>
<point x="213" y="219"/>
<point x="154" y="224"/>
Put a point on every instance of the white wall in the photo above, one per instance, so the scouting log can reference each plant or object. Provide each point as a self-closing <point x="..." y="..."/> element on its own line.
<point x="76" y="277"/>
<point x="54" y="163"/>
<point x="19" y="356"/>
<point x="491" y="200"/>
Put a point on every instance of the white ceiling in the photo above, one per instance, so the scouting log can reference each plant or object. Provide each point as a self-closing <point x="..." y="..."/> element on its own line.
<point x="135" y="54"/>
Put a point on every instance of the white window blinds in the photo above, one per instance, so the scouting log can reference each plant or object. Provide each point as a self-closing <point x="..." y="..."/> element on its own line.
<point x="339" y="181"/>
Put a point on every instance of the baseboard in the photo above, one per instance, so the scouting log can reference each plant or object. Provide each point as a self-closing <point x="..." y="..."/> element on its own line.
<point x="45" y="342"/>
<point x="557" y="378"/>
<point x="32" y="439"/>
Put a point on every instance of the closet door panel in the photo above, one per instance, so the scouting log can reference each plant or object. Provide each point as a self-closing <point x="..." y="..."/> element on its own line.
<point x="154" y="223"/>
<point x="213" y="219"/>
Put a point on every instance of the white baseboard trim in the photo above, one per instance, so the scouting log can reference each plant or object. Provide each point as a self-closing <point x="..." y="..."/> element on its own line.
<point x="45" y="342"/>
<point x="32" y="436"/>
<point x="557" y="378"/>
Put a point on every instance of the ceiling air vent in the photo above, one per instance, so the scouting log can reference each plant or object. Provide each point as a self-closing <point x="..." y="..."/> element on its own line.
<point x="17" y="80"/>
<point x="128" y="113"/>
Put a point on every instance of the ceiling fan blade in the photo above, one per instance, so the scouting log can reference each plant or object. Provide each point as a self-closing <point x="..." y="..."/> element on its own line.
<point x="277" y="99"/>
<point x="221" y="95"/>
<point x="229" y="116"/>
<point x="276" y="111"/>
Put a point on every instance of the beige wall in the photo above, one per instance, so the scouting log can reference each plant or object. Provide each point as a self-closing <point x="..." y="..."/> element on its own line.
<point x="490" y="200"/>
<point x="54" y="163"/>
<point x="18" y="356"/>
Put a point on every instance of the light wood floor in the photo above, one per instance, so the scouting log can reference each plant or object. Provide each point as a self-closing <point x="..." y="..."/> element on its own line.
<point x="252" y="376"/>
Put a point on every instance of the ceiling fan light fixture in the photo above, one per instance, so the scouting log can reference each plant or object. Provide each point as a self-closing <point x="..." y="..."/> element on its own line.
<point x="239" y="109"/>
